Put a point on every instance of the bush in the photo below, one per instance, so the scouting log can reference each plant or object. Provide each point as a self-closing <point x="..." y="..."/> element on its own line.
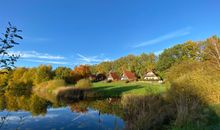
<point x="192" y="93"/>
<point x="127" y="81"/>
<point x="49" y="86"/>
<point x="183" y="68"/>
<point x="108" y="81"/>
<point x="198" y="83"/>
<point x="83" y="83"/>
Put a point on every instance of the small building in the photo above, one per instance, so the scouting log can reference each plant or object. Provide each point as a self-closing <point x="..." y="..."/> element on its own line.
<point x="92" y="77"/>
<point x="151" y="76"/>
<point x="97" y="78"/>
<point x="100" y="77"/>
<point x="129" y="76"/>
<point x="113" y="76"/>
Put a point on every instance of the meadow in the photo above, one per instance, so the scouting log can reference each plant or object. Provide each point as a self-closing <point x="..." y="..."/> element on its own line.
<point x="119" y="88"/>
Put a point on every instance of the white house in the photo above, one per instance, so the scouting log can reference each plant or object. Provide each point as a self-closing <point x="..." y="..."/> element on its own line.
<point x="151" y="76"/>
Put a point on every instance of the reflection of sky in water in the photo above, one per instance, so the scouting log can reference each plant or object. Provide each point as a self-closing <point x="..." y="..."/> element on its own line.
<point x="60" y="119"/>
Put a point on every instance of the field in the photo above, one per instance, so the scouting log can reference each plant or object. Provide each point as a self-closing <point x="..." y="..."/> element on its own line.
<point x="117" y="89"/>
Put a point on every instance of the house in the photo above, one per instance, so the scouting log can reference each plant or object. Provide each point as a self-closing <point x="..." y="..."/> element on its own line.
<point x="100" y="77"/>
<point x="92" y="77"/>
<point x="150" y="76"/>
<point x="113" y="76"/>
<point x="97" y="78"/>
<point x="128" y="75"/>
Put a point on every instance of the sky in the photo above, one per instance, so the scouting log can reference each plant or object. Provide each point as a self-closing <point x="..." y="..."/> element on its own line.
<point x="73" y="32"/>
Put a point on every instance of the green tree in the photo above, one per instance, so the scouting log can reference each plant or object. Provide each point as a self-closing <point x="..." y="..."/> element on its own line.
<point x="178" y="53"/>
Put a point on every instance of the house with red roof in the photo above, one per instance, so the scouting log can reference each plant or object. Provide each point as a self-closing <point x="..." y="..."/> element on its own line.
<point x="128" y="75"/>
<point x="113" y="76"/>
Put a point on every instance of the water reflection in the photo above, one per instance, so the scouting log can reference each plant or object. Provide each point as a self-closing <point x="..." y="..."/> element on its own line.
<point x="34" y="112"/>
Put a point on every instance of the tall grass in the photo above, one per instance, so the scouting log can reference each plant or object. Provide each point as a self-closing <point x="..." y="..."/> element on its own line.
<point x="146" y="112"/>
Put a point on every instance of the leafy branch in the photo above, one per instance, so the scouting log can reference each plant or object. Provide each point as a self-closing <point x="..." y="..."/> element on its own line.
<point x="7" y="41"/>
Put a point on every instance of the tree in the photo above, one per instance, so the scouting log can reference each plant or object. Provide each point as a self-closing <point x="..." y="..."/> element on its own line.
<point x="43" y="73"/>
<point x="63" y="73"/>
<point x="212" y="51"/>
<point x="83" y="70"/>
<point x="7" y="42"/>
<point x="178" y="53"/>
<point x="104" y="67"/>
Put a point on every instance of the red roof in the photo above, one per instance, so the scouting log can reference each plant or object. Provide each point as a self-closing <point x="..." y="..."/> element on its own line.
<point x="114" y="76"/>
<point x="130" y="75"/>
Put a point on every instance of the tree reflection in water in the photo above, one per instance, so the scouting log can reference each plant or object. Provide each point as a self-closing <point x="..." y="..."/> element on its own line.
<point x="94" y="110"/>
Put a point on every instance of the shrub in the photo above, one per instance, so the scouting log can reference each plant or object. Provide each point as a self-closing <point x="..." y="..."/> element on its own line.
<point x="191" y="93"/>
<point x="49" y="86"/>
<point x="199" y="84"/>
<point x="127" y="81"/>
<point x="183" y="68"/>
<point x="108" y="81"/>
<point x="83" y="83"/>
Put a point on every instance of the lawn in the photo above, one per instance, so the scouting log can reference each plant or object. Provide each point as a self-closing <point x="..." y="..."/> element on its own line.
<point x="117" y="89"/>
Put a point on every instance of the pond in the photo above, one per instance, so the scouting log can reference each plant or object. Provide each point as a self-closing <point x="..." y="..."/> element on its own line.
<point x="35" y="113"/>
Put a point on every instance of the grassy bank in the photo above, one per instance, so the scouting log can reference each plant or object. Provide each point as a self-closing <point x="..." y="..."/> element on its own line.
<point x="55" y="89"/>
<point x="117" y="89"/>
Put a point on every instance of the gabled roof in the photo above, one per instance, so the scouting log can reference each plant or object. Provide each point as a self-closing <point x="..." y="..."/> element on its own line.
<point x="130" y="75"/>
<point x="114" y="75"/>
<point x="150" y="74"/>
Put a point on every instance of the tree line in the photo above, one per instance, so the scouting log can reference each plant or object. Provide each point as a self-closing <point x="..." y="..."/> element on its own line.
<point x="202" y="51"/>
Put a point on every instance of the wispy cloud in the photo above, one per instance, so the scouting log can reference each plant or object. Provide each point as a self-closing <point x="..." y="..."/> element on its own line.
<point x="91" y="59"/>
<point x="171" y="35"/>
<point x="38" y="57"/>
<point x="47" y="61"/>
<point x="34" y="54"/>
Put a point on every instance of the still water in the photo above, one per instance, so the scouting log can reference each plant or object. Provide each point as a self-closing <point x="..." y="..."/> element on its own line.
<point x="35" y="113"/>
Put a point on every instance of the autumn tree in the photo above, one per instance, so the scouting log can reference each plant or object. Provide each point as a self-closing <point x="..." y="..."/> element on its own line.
<point x="83" y="70"/>
<point x="212" y="51"/>
<point x="43" y="73"/>
<point x="18" y="85"/>
<point x="104" y="67"/>
<point x="63" y="73"/>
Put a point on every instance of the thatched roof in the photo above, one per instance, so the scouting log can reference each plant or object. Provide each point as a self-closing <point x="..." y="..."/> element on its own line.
<point x="150" y="74"/>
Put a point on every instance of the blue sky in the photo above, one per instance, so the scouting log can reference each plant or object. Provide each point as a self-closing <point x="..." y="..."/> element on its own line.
<point x="72" y="32"/>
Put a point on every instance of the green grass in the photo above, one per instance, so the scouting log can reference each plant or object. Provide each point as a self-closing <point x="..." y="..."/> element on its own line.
<point x="117" y="89"/>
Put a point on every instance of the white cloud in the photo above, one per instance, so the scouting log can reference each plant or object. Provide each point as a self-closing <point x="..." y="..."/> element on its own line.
<point x="174" y="34"/>
<point x="90" y="59"/>
<point x="44" y="58"/>
<point x="34" y="54"/>
<point x="47" y="61"/>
